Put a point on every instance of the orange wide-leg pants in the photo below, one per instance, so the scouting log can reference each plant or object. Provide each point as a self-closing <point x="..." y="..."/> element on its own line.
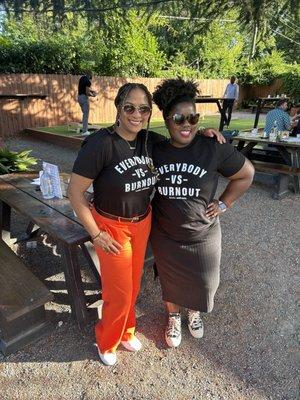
<point x="121" y="276"/>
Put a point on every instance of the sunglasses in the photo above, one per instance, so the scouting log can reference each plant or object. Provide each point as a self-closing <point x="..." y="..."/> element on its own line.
<point x="130" y="109"/>
<point x="179" y="119"/>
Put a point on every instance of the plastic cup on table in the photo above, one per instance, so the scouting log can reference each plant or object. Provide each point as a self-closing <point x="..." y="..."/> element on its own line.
<point x="254" y="132"/>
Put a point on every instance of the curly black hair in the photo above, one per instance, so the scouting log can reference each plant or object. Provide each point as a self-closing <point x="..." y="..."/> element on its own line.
<point x="174" y="91"/>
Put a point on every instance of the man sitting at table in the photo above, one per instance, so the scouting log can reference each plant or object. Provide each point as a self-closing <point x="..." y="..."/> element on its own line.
<point x="280" y="115"/>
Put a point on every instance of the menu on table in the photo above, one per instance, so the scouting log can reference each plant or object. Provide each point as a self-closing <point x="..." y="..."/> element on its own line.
<point x="53" y="171"/>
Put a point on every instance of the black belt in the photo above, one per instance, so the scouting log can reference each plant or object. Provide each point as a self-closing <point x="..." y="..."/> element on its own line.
<point x="137" y="218"/>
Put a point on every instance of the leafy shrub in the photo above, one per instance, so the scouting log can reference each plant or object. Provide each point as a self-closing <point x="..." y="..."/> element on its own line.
<point x="13" y="161"/>
<point x="291" y="82"/>
<point x="264" y="70"/>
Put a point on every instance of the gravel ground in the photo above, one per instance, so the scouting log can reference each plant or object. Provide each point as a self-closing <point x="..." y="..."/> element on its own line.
<point x="249" y="350"/>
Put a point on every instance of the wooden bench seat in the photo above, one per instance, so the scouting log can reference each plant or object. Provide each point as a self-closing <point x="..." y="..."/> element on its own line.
<point x="283" y="174"/>
<point x="22" y="299"/>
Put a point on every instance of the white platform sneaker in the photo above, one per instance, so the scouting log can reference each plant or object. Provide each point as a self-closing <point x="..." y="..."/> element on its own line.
<point x="173" y="330"/>
<point x="195" y="324"/>
<point x="108" y="358"/>
<point x="133" y="344"/>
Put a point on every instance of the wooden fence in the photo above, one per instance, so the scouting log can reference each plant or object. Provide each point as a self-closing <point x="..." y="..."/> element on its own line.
<point x="60" y="106"/>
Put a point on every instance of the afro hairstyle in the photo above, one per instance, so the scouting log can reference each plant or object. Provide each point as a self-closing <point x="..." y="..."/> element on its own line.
<point x="169" y="91"/>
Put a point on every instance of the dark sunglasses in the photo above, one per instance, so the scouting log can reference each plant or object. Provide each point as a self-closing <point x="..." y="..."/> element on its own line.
<point x="179" y="119"/>
<point x="130" y="109"/>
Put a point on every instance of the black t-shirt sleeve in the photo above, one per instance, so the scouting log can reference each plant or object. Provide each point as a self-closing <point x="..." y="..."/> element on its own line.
<point x="86" y="81"/>
<point x="95" y="153"/>
<point x="156" y="137"/>
<point x="230" y="160"/>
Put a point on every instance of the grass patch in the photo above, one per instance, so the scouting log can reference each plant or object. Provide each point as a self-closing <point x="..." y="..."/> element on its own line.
<point x="211" y="121"/>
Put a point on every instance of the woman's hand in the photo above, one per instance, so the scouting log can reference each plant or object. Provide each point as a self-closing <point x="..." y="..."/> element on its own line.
<point x="213" y="209"/>
<point x="107" y="243"/>
<point x="210" y="132"/>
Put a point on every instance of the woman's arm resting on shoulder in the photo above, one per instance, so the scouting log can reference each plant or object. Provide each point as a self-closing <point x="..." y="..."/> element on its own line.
<point x="76" y="190"/>
<point x="210" y="132"/>
<point x="238" y="185"/>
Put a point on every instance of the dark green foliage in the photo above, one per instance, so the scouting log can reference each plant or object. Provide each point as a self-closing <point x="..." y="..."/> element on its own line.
<point x="12" y="161"/>
<point x="191" y="38"/>
<point x="291" y="82"/>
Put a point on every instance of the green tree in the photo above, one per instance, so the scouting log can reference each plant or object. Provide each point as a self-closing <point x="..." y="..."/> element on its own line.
<point x="132" y="49"/>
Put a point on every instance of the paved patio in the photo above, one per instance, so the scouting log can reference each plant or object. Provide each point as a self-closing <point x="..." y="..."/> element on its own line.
<point x="249" y="350"/>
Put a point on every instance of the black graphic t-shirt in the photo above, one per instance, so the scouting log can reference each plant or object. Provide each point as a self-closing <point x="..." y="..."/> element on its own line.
<point x="188" y="179"/>
<point x="122" y="179"/>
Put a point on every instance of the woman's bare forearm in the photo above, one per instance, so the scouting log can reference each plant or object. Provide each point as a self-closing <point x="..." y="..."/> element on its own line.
<point x="234" y="190"/>
<point x="83" y="212"/>
<point x="238" y="185"/>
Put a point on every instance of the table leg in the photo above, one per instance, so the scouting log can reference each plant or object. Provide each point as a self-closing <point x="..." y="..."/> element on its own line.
<point x="5" y="218"/>
<point x="92" y="258"/>
<point x="285" y="154"/>
<point x="247" y="150"/>
<point x="260" y="104"/>
<point x="291" y="157"/>
<point x="223" y="116"/>
<point x="295" y="163"/>
<point x="74" y="284"/>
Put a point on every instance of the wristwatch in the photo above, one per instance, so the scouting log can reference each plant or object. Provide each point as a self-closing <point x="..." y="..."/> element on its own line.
<point x="222" y="206"/>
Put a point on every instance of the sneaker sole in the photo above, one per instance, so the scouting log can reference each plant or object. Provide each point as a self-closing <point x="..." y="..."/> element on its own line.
<point x="130" y="348"/>
<point x="104" y="362"/>
<point x="197" y="336"/>
<point x="170" y="344"/>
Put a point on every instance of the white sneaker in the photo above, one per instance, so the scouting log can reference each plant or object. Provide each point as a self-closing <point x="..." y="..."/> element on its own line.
<point x="108" y="358"/>
<point x="173" y="330"/>
<point x="133" y="344"/>
<point x="195" y="324"/>
<point x="86" y="133"/>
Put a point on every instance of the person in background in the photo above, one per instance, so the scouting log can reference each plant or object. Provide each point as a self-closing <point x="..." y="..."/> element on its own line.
<point x="84" y="92"/>
<point x="118" y="161"/>
<point x="186" y="233"/>
<point x="231" y="96"/>
<point x="296" y="127"/>
<point x="295" y="115"/>
<point x="280" y="115"/>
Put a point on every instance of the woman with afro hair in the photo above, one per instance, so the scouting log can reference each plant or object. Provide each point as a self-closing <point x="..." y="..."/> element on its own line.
<point x="118" y="162"/>
<point x="186" y="234"/>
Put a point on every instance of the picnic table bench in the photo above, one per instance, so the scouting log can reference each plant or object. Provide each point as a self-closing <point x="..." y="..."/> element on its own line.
<point x="282" y="172"/>
<point x="22" y="299"/>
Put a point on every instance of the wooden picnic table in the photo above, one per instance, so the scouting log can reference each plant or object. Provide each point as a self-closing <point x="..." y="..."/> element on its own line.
<point x="56" y="218"/>
<point x="289" y="150"/>
<point x="260" y="102"/>
<point x="219" y="102"/>
<point x="22" y="96"/>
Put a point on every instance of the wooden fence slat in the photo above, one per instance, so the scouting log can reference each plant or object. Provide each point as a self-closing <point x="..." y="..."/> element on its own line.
<point x="61" y="106"/>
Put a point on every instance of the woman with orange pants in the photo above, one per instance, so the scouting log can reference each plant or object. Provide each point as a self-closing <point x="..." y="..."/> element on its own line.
<point x="118" y="161"/>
